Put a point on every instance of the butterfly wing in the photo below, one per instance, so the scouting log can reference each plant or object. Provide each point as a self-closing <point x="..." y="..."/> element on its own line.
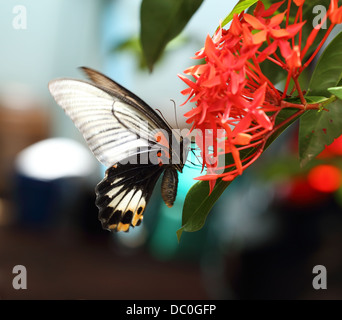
<point x="112" y="128"/>
<point x="118" y="91"/>
<point x="124" y="193"/>
<point x="122" y="93"/>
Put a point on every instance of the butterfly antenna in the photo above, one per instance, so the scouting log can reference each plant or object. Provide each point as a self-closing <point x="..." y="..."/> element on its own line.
<point x="161" y="114"/>
<point x="174" y="108"/>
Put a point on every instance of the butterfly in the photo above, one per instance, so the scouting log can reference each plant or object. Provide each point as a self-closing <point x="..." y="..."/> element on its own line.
<point x="130" y="139"/>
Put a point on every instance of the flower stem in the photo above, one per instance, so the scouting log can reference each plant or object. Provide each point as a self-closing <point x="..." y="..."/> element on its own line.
<point x="299" y="90"/>
<point x="308" y="106"/>
<point x="289" y="119"/>
<point x="318" y="48"/>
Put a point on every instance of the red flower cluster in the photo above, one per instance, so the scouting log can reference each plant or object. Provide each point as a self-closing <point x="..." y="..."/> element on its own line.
<point x="236" y="104"/>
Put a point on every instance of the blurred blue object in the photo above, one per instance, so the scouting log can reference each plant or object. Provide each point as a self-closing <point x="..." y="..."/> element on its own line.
<point x="164" y="244"/>
<point x="50" y="178"/>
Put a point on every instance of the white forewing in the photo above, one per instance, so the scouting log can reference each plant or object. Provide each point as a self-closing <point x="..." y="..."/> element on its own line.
<point x="113" y="129"/>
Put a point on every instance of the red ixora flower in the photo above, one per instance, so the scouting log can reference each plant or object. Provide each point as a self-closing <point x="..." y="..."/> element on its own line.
<point x="236" y="105"/>
<point x="335" y="12"/>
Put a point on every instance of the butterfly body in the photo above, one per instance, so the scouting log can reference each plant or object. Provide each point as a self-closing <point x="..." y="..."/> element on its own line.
<point x="127" y="136"/>
<point x="169" y="186"/>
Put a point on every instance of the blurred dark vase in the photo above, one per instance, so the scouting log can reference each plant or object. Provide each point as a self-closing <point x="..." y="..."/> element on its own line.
<point x="51" y="181"/>
<point x="48" y="204"/>
<point x="37" y="201"/>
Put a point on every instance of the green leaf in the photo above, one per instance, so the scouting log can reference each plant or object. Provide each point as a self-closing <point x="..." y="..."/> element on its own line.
<point x="337" y="91"/>
<point x="318" y="129"/>
<point x="328" y="71"/>
<point x="132" y="46"/>
<point x="161" y="21"/>
<point x="239" y="7"/>
<point x="283" y="115"/>
<point x="198" y="202"/>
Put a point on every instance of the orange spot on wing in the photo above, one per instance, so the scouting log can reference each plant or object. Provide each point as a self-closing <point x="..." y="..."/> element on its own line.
<point x="137" y="217"/>
<point x="123" y="226"/>
<point x="160" y="138"/>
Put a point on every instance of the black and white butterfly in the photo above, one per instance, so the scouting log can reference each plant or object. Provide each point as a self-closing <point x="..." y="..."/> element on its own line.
<point x="130" y="139"/>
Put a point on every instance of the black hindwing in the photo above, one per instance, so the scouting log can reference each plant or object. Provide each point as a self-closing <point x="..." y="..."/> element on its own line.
<point x="123" y="194"/>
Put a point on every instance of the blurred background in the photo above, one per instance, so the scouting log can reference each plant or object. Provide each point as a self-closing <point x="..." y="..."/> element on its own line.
<point x="261" y="240"/>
